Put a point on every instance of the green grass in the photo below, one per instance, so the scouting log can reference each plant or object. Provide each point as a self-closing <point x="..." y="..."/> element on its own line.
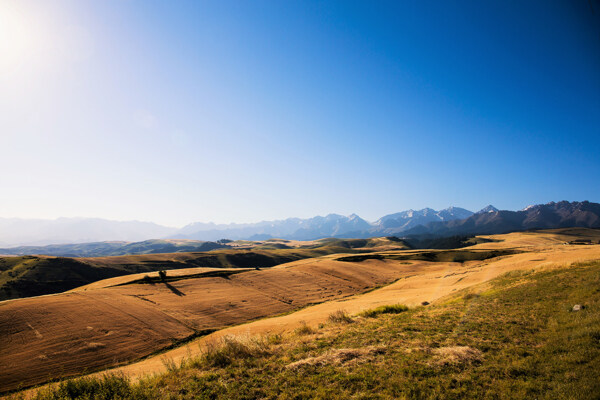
<point x="517" y="339"/>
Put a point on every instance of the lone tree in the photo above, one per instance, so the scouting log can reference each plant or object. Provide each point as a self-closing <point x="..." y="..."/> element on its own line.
<point x="162" y="275"/>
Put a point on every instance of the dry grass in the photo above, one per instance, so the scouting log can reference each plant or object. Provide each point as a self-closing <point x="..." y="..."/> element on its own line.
<point x="231" y="348"/>
<point x="338" y="357"/>
<point x="456" y="355"/>
<point x="304" y="329"/>
<point x="340" y="317"/>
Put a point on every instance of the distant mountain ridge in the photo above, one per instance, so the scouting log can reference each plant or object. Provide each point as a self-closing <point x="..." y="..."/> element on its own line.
<point x="331" y="225"/>
<point x="449" y="221"/>
<point x="402" y="221"/>
<point x="541" y="216"/>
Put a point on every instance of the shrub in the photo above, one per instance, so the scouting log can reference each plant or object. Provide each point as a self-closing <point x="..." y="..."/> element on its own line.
<point x="470" y="296"/>
<point x="276" y="338"/>
<point x="304" y="329"/>
<point x="340" y="316"/>
<point x="390" y="309"/>
<point x="109" y="386"/>
<point x="169" y="364"/>
<point x="230" y="349"/>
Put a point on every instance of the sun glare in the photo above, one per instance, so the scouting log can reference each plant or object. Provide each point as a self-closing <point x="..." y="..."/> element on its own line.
<point x="18" y="39"/>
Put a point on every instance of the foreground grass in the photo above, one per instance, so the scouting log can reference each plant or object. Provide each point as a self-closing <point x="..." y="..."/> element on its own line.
<point x="518" y="338"/>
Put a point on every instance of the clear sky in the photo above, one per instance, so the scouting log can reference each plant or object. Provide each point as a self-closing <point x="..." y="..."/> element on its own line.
<point x="174" y="111"/>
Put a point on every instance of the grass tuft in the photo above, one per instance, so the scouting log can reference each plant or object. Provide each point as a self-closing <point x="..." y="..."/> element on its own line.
<point x="231" y="349"/>
<point x="304" y="329"/>
<point x="340" y="317"/>
<point x="470" y="296"/>
<point x="389" y="309"/>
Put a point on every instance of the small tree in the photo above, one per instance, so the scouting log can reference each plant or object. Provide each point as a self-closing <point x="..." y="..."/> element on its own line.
<point x="162" y="275"/>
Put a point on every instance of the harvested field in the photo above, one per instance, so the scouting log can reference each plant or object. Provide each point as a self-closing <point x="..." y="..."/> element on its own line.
<point x="71" y="333"/>
<point x="27" y="276"/>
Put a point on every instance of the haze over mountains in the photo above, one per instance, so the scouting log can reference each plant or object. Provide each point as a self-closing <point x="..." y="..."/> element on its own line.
<point x="19" y="231"/>
<point x="450" y="221"/>
<point x="35" y="232"/>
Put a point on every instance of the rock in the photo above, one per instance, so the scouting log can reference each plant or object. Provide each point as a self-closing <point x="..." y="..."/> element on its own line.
<point x="425" y="303"/>
<point x="578" y="307"/>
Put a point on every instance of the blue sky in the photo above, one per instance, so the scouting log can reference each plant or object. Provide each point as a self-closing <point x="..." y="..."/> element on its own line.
<point x="173" y="111"/>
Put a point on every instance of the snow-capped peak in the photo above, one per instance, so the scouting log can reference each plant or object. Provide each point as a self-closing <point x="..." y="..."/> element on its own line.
<point x="488" y="209"/>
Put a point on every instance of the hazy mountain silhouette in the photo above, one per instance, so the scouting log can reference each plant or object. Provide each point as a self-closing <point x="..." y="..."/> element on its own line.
<point x="332" y="225"/>
<point x="18" y="231"/>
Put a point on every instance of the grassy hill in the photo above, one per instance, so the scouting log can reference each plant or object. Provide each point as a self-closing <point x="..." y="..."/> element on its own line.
<point x="38" y="275"/>
<point x="514" y="337"/>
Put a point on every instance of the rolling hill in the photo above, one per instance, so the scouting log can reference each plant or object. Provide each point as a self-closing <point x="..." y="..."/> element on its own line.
<point x="114" y="322"/>
<point x="102" y="249"/>
<point x="477" y="342"/>
<point x="25" y="276"/>
<point x="97" y="327"/>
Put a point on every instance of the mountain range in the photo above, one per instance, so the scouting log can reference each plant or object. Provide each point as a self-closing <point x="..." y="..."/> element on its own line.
<point x="428" y="222"/>
<point x="405" y="220"/>
<point x="541" y="216"/>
